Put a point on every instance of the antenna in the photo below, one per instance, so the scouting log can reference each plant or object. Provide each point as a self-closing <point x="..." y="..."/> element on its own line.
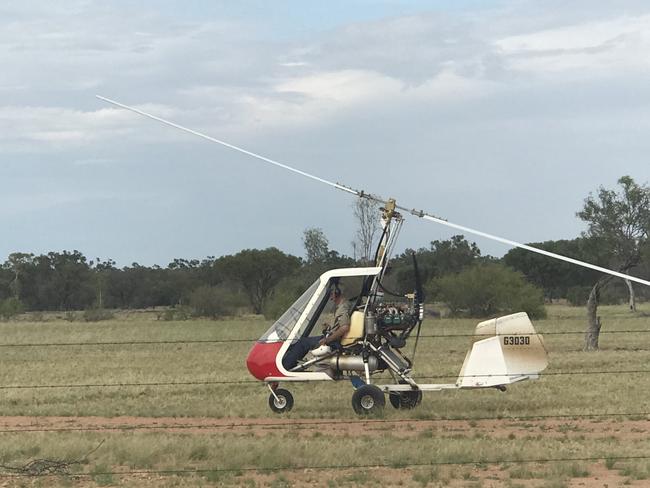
<point x="361" y="194"/>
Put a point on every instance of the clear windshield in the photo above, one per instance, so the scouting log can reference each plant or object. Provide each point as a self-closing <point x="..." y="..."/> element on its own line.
<point x="281" y="329"/>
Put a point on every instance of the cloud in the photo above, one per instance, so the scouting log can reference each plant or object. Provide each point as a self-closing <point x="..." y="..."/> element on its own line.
<point x="218" y="75"/>
<point x="294" y="64"/>
<point x="347" y="86"/>
<point x="94" y="162"/>
<point x="518" y="101"/>
<point x="42" y="129"/>
<point x="586" y="49"/>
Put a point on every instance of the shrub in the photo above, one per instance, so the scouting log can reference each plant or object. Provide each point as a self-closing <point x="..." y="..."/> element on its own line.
<point x="285" y="293"/>
<point x="38" y="317"/>
<point x="215" y="302"/>
<point x="487" y="289"/>
<point x="612" y="294"/>
<point x="578" y="295"/>
<point x="69" y="316"/>
<point x="97" y="314"/>
<point x="177" y="313"/>
<point x="10" y="307"/>
<point x="279" y="303"/>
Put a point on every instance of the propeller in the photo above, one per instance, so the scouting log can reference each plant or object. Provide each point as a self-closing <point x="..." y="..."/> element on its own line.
<point x="419" y="291"/>
<point x="361" y="194"/>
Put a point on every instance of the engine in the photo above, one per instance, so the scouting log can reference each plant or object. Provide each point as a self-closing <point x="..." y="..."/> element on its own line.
<point x="395" y="316"/>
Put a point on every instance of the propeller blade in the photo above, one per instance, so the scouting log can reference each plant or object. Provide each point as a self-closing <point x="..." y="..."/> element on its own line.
<point x="418" y="281"/>
<point x="362" y="194"/>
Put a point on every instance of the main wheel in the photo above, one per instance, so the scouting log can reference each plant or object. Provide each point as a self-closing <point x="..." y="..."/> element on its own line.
<point x="405" y="400"/>
<point x="283" y="402"/>
<point x="368" y="400"/>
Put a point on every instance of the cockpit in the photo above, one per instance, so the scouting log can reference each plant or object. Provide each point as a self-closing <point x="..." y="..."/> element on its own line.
<point x="310" y="309"/>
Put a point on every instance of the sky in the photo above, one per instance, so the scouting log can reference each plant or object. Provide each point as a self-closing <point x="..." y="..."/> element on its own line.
<point x="497" y="115"/>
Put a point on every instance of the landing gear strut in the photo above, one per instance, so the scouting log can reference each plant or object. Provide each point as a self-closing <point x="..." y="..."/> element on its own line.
<point x="280" y="400"/>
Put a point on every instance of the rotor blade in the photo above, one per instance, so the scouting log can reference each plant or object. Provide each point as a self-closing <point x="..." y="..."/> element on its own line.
<point x="527" y="247"/>
<point x="361" y="194"/>
<point x="231" y="146"/>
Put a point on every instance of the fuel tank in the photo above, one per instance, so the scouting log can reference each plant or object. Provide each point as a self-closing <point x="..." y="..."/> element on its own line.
<point x="351" y="363"/>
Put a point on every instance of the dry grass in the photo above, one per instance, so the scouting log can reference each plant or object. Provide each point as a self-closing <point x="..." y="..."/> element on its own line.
<point x="552" y="395"/>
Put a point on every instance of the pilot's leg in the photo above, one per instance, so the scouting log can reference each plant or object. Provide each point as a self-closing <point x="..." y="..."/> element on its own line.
<point x="298" y="351"/>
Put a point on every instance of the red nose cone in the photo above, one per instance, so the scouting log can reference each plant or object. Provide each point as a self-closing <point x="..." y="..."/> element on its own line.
<point x="261" y="360"/>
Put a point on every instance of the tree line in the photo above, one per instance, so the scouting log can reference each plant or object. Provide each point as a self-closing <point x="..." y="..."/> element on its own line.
<point x="266" y="281"/>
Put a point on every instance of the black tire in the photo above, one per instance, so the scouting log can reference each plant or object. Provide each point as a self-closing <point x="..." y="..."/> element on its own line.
<point x="368" y="400"/>
<point x="283" y="403"/>
<point x="405" y="400"/>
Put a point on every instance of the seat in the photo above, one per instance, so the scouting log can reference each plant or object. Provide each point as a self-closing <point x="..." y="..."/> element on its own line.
<point x="356" y="331"/>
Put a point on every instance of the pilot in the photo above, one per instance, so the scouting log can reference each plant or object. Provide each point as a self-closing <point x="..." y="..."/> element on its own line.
<point x="332" y="334"/>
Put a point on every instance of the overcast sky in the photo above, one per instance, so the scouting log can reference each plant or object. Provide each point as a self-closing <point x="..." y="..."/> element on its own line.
<point x="499" y="115"/>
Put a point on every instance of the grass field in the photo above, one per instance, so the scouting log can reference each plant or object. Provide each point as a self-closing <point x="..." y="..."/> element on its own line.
<point x="226" y="455"/>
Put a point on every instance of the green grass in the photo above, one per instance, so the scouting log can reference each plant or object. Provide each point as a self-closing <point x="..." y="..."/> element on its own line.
<point x="571" y="395"/>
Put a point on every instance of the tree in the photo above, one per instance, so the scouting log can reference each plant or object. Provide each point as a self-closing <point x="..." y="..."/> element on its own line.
<point x="69" y="286"/>
<point x="557" y="278"/>
<point x="56" y="281"/>
<point x="316" y="245"/>
<point x="6" y="277"/>
<point x="17" y="262"/>
<point x="442" y="257"/>
<point x="452" y="255"/>
<point x="367" y="215"/>
<point x="488" y="289"/>
<point x="102" y="271"/>
<point x="619" y="221"/>
<point x="258" y="272"/>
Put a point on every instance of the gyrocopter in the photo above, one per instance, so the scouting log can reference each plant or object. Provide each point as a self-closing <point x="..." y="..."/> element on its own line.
<point x="504" y="350"/>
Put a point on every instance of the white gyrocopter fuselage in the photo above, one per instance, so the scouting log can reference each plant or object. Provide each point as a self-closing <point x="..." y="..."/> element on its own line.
<point x="506" y="350"/>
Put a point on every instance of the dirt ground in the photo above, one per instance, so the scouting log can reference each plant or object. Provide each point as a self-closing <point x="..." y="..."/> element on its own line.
<point x="622" y="428"/>
<point x="486" y="476"/>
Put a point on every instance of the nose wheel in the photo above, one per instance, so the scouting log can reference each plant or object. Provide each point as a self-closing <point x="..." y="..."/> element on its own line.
<point x="280" y="400"/>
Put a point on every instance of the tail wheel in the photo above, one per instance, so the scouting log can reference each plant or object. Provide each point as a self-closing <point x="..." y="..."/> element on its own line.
<point x="283" y="402"/>
<point x="368" y="400"/>
<point x="405" y="400"/>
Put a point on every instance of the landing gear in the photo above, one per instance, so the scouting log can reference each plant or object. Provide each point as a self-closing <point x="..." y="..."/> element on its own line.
<point x="405" y="400"/>
<point x="368" y="400"/>
<point x="280" y="400"/>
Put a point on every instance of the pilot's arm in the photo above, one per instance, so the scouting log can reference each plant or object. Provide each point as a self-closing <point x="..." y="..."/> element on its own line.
<point x="342" y="325"/>
<point x="336" y="335"/>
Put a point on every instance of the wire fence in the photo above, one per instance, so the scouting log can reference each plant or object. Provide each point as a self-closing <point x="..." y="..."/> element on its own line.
<point x="252" y="340"/>
<point x="256" y="382"/>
